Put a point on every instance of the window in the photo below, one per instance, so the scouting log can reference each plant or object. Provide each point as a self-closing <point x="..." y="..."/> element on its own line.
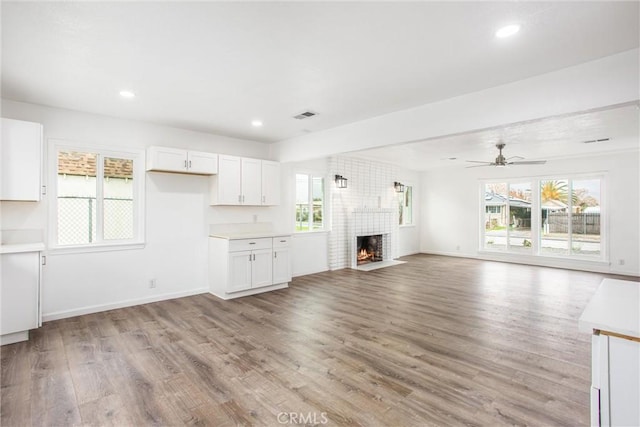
<point x="309" y="202"/>
<point x="405" y="206"/>
<point x="98" y="197"/>
<point x="567" y="222"/>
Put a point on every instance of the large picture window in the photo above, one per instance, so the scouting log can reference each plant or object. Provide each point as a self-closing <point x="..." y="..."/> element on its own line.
<point x="554" y="217"/>
<point x="309" y="202"/>
<point x="98" y="197"/>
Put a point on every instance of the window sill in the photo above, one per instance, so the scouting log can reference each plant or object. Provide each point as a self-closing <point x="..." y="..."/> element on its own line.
<point x="67" y="250"/>
<point x="407" y="225"/>
<point x="302" y="233"/>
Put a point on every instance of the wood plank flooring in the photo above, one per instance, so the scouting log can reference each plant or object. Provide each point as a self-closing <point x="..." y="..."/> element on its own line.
<point x="437" y="341"/>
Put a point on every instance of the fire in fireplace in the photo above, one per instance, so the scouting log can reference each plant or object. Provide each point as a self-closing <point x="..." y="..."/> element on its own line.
<point x="369" y="249"/>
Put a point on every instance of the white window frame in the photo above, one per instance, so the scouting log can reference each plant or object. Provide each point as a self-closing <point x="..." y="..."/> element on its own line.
<point x="138" y="157"/>
<point x="536" y="216"/>
<point x="413" y="188"/>
<point x="311" y="175"/>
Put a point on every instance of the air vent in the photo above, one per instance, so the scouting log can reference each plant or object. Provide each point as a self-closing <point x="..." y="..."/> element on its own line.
<point x="305" y="115"/>
<point x="593" y="141"/>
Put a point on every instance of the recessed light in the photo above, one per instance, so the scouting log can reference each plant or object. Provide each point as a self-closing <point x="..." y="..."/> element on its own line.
<point x="256" y="123"/>
<point x="507" y="31"/>
<point x="127" y="94"/>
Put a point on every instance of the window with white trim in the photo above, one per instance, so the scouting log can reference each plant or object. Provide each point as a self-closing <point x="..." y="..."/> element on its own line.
<point x="405" y="206"/>
<point x="554" y="216"/>
<point x="98" y="197"/>
<point x="309" y="209"/>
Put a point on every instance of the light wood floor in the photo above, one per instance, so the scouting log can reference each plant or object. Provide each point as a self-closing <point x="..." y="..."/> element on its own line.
<point x="437" y="341"/>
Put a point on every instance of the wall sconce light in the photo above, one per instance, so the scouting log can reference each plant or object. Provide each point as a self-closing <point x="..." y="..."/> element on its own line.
<point x="398" y="186"/>
<point x="341" y="181"/>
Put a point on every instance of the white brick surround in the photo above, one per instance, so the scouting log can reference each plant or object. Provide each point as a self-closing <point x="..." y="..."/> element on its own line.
<point x="369" y="205"/>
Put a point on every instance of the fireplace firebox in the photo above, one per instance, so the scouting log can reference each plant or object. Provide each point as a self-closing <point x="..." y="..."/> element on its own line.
<point x="369" y="249"/>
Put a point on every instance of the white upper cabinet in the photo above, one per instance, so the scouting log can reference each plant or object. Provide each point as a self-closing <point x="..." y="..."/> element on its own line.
<point x="251" y="179"/>
<point x="270" y="183"/>
<point x="21" y="160"/>
<point x="244" y="181"/>
<point x="226" y="187"/>
<point x="164" y="159"/>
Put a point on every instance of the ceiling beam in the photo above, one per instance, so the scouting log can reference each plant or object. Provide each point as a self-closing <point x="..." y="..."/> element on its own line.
<point x="605" y="82"/>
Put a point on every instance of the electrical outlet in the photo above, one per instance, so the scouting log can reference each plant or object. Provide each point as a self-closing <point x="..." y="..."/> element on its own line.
<point x="620" y="262"/>
<point x="458" y="248"/>
<point x="255" y="218"/>
<point x="152" y="283"/>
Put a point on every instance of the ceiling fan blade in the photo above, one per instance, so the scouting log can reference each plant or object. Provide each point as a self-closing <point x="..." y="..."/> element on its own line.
<point x="480" y="166"/>
<point x="515" y="157"/>
<point x="529" y="162"/>
<point x="478" y="161"/>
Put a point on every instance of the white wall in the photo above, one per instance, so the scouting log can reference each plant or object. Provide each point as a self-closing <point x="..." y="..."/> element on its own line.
<point x="177" y="217"/>
<point x="604" y="82"/>
<point x="451" y="214"/>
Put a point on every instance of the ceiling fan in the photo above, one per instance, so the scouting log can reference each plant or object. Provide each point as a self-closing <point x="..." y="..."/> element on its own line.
<point x="501" y="161"/>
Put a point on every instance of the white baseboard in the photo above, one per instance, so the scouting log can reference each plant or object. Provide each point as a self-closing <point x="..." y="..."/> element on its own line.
<point x="569" y="264"/>
<point x="120" y="304"/>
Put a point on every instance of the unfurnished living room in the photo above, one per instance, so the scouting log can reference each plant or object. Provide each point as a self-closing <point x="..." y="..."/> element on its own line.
<point x="320" y="213"/>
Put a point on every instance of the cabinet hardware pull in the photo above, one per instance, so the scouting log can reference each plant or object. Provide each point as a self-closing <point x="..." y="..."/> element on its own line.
<point x="252" y="243"/>
<point x="250" y="257"/>
<point x="44" y="190"/>
<point x="185" y="164"/>
<point x="283" y="241"/>
<point x="275" y="254"/>
<point x="189" y="164"/>
<point x="254" y="257"/>
<point x="44" y="260"/>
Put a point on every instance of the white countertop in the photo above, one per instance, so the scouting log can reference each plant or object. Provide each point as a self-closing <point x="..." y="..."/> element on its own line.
<point x="21" y="247"/>
<point x="615" y="307"/>
<point x="247" y="235"/>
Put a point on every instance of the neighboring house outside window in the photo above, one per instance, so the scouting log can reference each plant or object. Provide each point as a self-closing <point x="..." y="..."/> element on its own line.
<point x="309" y="209"/>
<point x="405" y="206"/>
<point x="547" y="216"/>
<point x="99" y="196"/>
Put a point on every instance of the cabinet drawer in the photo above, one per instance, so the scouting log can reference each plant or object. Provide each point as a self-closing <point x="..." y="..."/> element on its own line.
<point x="282" y="241"/>
<point x="249" y="244"/>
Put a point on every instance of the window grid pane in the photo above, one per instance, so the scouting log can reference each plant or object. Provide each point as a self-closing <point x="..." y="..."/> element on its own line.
<point x="118" y="199"/>
<point x="76" y="197"/>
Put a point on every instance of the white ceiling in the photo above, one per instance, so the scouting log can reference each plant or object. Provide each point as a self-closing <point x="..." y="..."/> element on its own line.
<point x="546" y="139"/>
<point x="215" y="66"/>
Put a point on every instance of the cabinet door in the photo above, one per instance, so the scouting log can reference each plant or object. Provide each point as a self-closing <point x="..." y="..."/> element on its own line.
<point x="281" y="265"/>
<point x="270" y="183"/>
<point x="20" y="292"/>
<point x="166" y="159"/>
<point x="251" y="182"/>
<point x="20" y="160"/>
<point x="202" y="163"/>
<point x="262" y="268"/>
<point x="624" y="382"/>
<point x="228" y="181"/>
<point x="239" y="271"/>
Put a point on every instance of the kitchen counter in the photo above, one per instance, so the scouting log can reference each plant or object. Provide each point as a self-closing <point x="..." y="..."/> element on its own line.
<point x="21" y="247"/>
<point x="247" y="235"/>
<point x="615" y="307"/>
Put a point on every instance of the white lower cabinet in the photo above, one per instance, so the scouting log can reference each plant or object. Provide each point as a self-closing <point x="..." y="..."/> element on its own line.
<point x="615" y="388"/>
<point x="281" y="260"/>
<point x="240" y="267"/>
<point x="19" y="295"/>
